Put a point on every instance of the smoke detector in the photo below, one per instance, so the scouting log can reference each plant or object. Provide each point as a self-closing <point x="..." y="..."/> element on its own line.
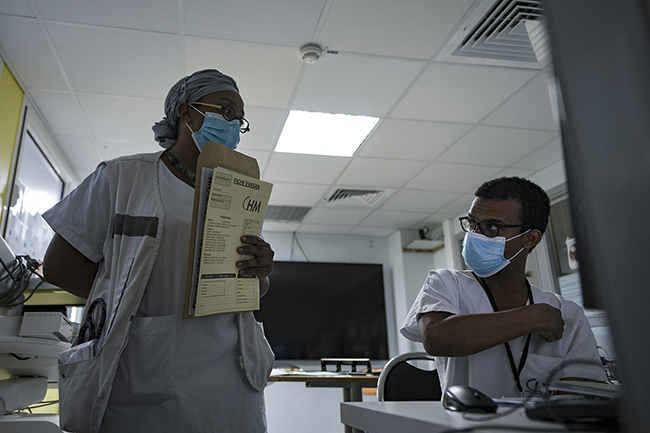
<point x="311" y="53"/>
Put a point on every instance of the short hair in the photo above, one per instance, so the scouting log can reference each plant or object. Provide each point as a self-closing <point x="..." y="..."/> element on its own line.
<point x="535" y="204"/>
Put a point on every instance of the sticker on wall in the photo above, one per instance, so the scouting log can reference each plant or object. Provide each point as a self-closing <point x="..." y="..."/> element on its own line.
<point x="572" y="253"/>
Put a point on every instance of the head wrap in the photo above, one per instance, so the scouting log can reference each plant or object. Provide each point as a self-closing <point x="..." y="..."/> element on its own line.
<point x="189" y="89"/>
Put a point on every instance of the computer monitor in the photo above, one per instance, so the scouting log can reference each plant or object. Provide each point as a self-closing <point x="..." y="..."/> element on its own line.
<point x="601" y="56"/>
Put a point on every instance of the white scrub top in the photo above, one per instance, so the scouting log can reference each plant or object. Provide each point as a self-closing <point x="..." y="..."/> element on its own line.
<point x="489" y="371"/>
<point x="174" y="375"/>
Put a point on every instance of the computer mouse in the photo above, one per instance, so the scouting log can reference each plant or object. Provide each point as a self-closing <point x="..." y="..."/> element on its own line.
<point x="462" y="398"/>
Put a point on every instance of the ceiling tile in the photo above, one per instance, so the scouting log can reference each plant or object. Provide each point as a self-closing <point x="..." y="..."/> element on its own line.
<point x="411" y="139"/>
<point x="496" y="146"/>
<point x="266" y="75"/>
<point x="266" y="125"/>
<point x="262" y="158"/>
<point x="346" y="217"/>
<point x="530" y="108"/>
<point x="154" y="15"/>
<point x="543" y="157"/>
<point x="81" y="153"/>
<point x="454" y="93"/>
<point x="381" y="27"/>
<point x="353" y="84"/>
<point x="456" y="208"/>
<point x="62" y="112"/>
<point x="16" y="7"/>
<point x="292" y="194"/>
<point x="379" y="173"/>
<point x="117" y="61"/>
<point x="518" y="172"/>
<point x="433" y="221"/>
<point x="325" y="229"/>
<point x="452" y="177"/>
<point x="551" y="176"/>
<point x="122" y="118"/>
<point x="419" y="201"/>
<point x="372" y="231"/>
<point x="393" y="219"/>
<point x="294" y="168"/>
<point x="280" y="22"/>
<point x="26" y="47"/>
<point x="114" y="149"/>
<point x="277" y="226"/>
<point x="99" y="74"/>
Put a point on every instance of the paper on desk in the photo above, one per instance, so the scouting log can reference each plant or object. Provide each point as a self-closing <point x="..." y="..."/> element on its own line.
<point x="597" y="389"/>
<point x="231" y="205"/>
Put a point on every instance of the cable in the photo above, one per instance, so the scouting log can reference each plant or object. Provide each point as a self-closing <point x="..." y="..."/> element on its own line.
<point x="22" y="271"/>
<point x="36" y="406"/>
<point x="516" y="406"/>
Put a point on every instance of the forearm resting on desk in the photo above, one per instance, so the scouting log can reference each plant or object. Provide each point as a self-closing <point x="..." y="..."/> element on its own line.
<point x="445" y="334"/>
<point x="66" y="267"/>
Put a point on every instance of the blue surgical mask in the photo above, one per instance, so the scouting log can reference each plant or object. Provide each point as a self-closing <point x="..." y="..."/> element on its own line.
<point x="484" y="255"/>
<point x="217" y="129"/>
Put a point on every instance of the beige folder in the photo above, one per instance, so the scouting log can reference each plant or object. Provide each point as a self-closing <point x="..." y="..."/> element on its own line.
<point x="213" y="155"/>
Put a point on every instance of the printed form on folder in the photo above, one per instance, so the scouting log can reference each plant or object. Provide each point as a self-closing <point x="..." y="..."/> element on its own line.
<point x="231" y="205"/>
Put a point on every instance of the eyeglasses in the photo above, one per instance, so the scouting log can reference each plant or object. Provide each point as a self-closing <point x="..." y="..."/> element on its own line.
<point x="487" y="228"/>
<point x="228" y="113"/>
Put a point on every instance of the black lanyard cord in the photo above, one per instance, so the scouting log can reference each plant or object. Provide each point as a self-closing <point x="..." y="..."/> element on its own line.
<point x="515" y="371"/>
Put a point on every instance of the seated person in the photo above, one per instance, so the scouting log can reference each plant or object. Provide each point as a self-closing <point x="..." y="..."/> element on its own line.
<point x="489" y="328"/>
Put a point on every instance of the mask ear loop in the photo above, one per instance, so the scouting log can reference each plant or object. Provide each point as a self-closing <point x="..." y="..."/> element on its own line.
<point x="202" y="114"/>
<point x="522" y="248"/>
<point x="186" y="124"/>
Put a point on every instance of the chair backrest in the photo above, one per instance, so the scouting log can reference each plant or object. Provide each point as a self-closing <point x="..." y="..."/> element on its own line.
<point x="401" y="381"/>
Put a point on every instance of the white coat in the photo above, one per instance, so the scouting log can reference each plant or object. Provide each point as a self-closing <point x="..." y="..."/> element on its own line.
<point x="86" y="371"/>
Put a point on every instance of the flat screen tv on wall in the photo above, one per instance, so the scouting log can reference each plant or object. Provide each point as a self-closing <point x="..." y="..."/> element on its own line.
<point x="325" y="310"/>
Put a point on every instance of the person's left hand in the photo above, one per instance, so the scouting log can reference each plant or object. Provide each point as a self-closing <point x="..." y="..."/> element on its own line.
<point x="262" y="262"/>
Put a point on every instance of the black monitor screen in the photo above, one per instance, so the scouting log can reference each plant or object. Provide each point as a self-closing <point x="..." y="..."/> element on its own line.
<point x="325" y="310"/>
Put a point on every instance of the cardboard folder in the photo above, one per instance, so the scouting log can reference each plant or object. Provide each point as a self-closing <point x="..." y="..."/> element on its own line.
<point x="213" y="155"/>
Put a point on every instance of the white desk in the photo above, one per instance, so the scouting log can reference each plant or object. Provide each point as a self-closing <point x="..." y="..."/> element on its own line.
<point x="426" y="417"/>
<point x="30" y="423"/>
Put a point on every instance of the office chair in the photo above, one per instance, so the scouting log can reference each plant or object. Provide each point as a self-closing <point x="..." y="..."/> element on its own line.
<point x="401" y="381"/>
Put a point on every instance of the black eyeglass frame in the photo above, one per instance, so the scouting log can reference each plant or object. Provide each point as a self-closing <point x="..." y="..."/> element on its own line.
<point x="477" y="224"/>
<point x="228" y="113"/>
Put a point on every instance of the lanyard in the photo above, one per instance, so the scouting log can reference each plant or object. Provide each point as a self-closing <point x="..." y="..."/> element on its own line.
<point x="515" y="371"/>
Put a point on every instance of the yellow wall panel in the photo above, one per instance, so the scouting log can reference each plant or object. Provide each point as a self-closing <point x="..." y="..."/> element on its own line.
<point x="11" y="103"/>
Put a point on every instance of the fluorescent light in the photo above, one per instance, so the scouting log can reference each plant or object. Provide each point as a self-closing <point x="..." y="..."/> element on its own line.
<point x="324" y="133"/>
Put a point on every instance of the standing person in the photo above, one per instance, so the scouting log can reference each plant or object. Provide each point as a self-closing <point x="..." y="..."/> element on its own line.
<point x="489" y="328"/>
<point x="122" y="241"/>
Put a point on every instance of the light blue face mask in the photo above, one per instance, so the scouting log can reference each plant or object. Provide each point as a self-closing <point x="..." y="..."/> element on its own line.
<point x="484" y="255"/>
<point x="217" y="129"/>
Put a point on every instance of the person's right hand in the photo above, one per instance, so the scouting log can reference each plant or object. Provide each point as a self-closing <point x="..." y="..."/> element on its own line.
<point x="551" y="324"/>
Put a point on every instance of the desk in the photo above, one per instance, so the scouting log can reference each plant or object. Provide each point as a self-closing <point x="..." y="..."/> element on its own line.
<point x="32" y="423"/>
<point x="425" y="417"/>
<point x="351" y="383"/>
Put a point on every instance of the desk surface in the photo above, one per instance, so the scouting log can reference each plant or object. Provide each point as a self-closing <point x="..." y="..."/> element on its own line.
<point x="427" y="417"/>
<point x="316" y="377"/>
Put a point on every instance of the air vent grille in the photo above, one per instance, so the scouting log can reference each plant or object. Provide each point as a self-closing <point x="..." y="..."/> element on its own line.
<point x="356" y="196"/>
<point x="503" y="33"/>
<point x="286" y="213"/>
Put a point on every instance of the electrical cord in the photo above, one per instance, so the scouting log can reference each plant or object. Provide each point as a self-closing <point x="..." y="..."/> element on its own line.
<point x="22" y="271"/>
<point x="36" y="406"/>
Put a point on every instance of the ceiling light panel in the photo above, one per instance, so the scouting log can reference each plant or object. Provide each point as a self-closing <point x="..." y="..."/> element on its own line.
<point x="324" y="133"/>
